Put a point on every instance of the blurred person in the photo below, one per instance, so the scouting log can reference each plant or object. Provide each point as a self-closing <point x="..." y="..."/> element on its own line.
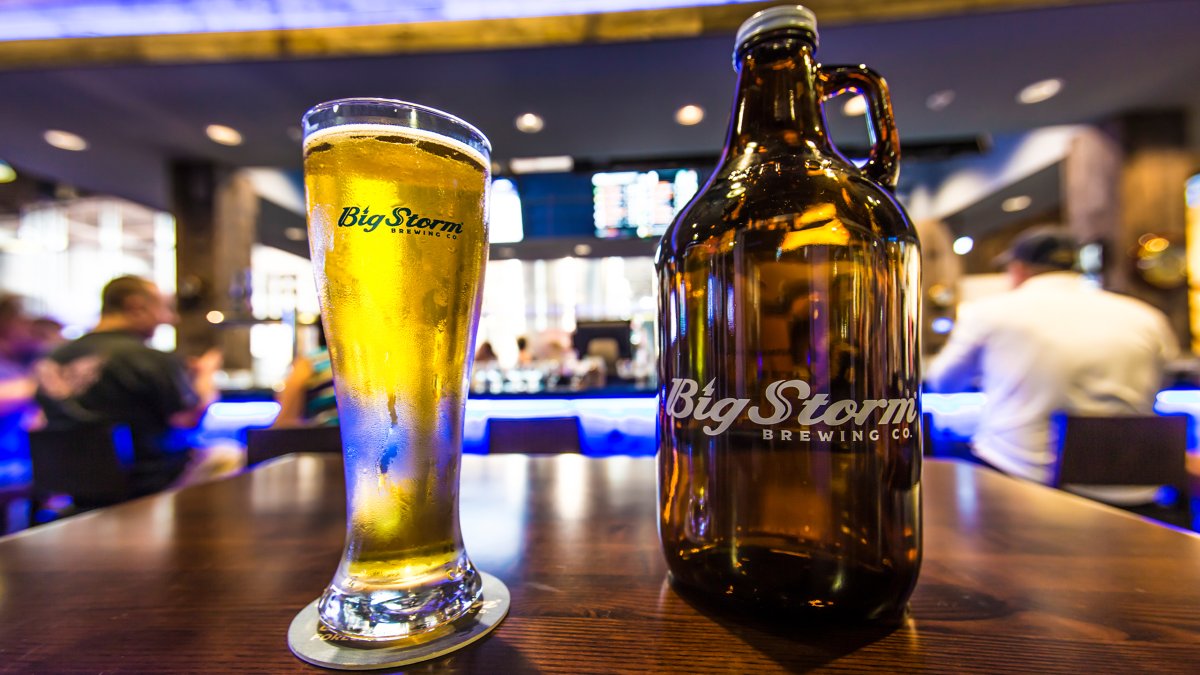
<point x="18" y="349"/>
<point x="47" y="334"/>
<point x="557" y="351"/>
<point x="307" y="397"/>
<point x="554" y="345"/>
<point x="524" y="354"/>
<point x="1053" y="344"/>
<point x="110" y="376"/>
<point x="485" y="356"/>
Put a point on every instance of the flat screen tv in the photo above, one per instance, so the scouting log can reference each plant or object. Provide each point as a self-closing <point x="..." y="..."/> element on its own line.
<point x="640" y="203"/>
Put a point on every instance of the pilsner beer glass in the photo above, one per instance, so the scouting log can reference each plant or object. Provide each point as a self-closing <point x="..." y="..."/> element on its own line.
<point x="397" y="227"/>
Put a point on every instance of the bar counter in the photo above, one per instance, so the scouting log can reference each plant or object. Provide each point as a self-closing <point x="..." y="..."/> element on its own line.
<point x="1017" y="577"/>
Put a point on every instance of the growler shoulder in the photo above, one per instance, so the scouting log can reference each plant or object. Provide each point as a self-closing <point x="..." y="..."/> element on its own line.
<point x="791" y="192"/>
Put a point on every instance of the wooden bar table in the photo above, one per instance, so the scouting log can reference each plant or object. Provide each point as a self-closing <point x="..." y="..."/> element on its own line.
<point x="1017" y="578"/>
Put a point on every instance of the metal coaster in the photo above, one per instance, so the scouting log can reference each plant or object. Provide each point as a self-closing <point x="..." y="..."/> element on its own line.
<point x="320" y="647"/>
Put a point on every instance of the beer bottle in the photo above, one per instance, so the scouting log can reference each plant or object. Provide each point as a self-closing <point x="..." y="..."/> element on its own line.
<point x="789" y="296"/>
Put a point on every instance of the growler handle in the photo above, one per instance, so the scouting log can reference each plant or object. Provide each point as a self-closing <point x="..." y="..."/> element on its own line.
<point x="883" y="162"/>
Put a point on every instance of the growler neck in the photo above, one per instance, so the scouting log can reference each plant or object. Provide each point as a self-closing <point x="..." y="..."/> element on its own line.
<point x="777" y="105"/>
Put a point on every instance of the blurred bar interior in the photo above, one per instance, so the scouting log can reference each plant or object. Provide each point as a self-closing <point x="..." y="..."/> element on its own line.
<point x="160" y="138"/>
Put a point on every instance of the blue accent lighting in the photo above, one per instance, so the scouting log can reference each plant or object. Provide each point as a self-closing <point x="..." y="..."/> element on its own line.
<point x="942" y="325"/>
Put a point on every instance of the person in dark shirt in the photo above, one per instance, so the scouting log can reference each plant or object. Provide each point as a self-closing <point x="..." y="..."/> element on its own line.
<point x="110" y="376"/>
<point x="18" y="349"/>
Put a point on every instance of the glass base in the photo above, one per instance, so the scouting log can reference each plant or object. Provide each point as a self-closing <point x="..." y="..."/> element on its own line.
<point x="358" y="610"/>
<point x="311" y="641"/>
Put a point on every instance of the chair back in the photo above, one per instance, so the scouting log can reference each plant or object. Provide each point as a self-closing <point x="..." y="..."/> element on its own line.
<point x="1128" y="450"/>
<point x="81" y="462"/>
<point x="537" y="436"/>
<point x="927" y="434"/>
<point x="14" y="499"/>
<point x="264" y="444"/>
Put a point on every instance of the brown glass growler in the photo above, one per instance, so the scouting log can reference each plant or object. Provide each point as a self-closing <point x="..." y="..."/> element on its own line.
<point x="789" y="416"/>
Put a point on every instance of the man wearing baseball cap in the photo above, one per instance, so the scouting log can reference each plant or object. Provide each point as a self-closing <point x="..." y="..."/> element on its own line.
<point x="1055" y="343"/>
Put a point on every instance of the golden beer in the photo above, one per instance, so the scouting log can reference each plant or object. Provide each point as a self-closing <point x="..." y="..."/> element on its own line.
<point x="398" y="235"/>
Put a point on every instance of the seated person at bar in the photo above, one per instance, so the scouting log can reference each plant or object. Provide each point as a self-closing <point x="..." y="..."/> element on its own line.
<point x="110" y="376"/>
<point x="47" y="335"/>
<point x="1053" y="344"/>
<point x="307" y="397"/>
<point x="18" y="349"/>
<point x="524" y="355"/>
<point x="485" y="356"/>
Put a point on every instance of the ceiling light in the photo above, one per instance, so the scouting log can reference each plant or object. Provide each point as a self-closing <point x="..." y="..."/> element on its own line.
<point x="529" y="123"/>
<point x="553" y="164"/>
<point x="855" y="106"/>
<point x="689" y="115"/>
<point x="940" y="100"/>
<point x="7" y="173"/>
<point x="215" y="317"/>
<point x="1040" y="91"/>
<point x="582" y="249"/>
<point x="219" y="133"/>
<point x="1156" y="245"/>
<point x="1014" y="204"/>
<point x="65" y="140"/>
<point x="963" y="245"/>
<point x="295" y="234"/>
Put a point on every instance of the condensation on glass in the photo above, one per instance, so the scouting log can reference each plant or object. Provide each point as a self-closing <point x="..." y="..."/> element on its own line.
<point x="397" y="199"/>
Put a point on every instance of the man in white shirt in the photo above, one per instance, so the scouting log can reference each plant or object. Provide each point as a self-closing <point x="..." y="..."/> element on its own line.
<point x="1054" y="343"/>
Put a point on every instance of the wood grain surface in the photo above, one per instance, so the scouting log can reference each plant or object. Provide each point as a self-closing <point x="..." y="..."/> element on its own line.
<point x="1017" y="578"/>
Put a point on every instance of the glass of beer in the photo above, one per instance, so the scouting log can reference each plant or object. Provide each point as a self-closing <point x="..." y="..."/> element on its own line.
<point x="397" y="226"/>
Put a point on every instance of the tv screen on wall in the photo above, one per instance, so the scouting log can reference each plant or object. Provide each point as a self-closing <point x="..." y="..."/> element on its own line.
<point x="640" y="203"/>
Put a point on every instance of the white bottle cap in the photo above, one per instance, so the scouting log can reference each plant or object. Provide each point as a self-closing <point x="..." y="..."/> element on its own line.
<point x="775" y="18"/>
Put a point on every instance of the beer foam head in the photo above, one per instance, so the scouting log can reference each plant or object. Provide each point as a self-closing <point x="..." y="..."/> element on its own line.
<point x="331" y="133"/>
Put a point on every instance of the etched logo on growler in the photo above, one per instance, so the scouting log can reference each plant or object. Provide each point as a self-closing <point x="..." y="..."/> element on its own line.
<point x="401" y="219"/>
<point x="817" y="410"/>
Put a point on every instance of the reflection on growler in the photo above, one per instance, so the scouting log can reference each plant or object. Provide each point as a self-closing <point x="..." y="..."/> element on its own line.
<point x="789" y="291"/>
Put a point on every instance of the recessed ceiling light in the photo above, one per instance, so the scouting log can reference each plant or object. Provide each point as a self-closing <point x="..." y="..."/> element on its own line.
<point x="295" y="234"/>
<point x="963" y="245"/>
<point x="215" y="316"/>
<point x="1040" y="91"/>
<point x="529" y="123"/>
<point x="7" y="173"/>
<point x="939" y="100"/>
<point x="855" y="106"/>
<point x="551" y="164"/>
<point x="689" y="115"/>
<point x="219" y="133"/>
<point x="1014" y="204"/>
<point x="65" y="140"/>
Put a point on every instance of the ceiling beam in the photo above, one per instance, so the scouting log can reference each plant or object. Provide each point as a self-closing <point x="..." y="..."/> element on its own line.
<point x="458" y="36"/>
